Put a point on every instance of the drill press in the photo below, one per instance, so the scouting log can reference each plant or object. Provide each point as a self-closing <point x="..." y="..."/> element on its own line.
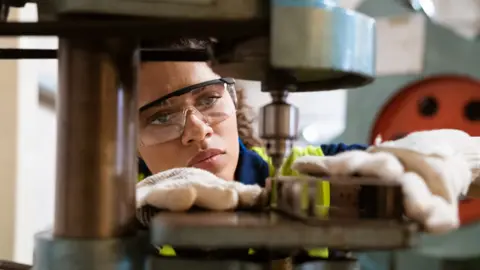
<point x="291" y="46"/>
<point x="315" y="46"/>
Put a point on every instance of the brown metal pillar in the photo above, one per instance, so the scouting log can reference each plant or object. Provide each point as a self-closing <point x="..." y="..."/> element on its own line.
<point x="96" y="149"/>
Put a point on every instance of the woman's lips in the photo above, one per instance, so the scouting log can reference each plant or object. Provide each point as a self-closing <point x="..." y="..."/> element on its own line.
<point x="205" y="157"/>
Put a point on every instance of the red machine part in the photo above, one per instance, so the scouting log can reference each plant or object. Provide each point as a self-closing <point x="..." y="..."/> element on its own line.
<point x="447" y="101"/>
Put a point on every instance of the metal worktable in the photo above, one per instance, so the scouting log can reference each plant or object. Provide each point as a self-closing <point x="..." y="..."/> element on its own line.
<point x="275" y="231"/>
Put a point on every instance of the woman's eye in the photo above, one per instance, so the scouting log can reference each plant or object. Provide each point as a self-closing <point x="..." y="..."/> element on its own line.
<point x="208" y="101"/>
<point x="160" y="119"/>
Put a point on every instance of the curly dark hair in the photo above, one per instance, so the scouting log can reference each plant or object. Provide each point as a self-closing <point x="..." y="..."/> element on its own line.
<point x="245" y="113"/>
<point x="245" y="119"/>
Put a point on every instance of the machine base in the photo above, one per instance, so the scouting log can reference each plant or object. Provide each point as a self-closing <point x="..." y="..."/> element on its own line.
<point x="224" y="230"/>
<point x="52" y="253"/>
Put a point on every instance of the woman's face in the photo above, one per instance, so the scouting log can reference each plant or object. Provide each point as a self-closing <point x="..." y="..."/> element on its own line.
<point x="214" y="148"/>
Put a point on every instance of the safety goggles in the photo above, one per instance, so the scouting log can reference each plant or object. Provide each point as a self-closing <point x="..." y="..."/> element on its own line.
<point x="164" y="119"/>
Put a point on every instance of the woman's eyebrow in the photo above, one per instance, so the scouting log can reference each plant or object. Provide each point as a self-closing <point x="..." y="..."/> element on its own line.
<point x="199" y="90"/>
<point x="194" y="92"/>
<point x="161" y="105"/>
<point x="164" y="103"/>
<point x="204" y="89"/>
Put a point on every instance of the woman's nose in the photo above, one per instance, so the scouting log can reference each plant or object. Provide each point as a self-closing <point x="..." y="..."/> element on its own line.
<point x="196" y="130"/>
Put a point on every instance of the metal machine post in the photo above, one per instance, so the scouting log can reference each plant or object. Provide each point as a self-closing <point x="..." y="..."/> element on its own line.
<point x="96" y="169"/>
<point x="97" y="118"/>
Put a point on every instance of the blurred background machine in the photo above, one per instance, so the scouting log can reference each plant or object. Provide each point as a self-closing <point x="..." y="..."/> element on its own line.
<point x="442" y="91"/>
<point x="442" y="101"/>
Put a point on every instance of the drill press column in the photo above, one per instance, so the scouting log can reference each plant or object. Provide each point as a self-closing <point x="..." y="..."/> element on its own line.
<point x="97" y="116"/>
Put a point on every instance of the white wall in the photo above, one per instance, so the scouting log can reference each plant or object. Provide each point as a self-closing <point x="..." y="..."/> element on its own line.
<point x="8" y="150"/>
<point x="26" y="155"/>
<point x="36" y="179"/>
<point x="36" y="154"/>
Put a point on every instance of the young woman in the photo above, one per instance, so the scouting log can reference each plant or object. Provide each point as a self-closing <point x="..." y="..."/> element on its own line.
<point x="197" y="147"/>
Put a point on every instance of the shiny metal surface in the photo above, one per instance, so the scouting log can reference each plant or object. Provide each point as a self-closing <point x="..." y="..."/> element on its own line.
<point x="279" y="126"/>
<point x="56" y="253"/>
<point x="97" y="125"/>
<point x="321" y="46"/>
<point x="223" y="230"/>
<point x="312" y="45"/>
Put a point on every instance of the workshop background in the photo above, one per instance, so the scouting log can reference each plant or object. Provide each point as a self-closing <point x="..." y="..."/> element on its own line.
<point x="427" y="78"/>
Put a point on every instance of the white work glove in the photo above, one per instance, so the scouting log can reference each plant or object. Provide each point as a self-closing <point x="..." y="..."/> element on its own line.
<point x="433" y="167"/>
<point x="182" y="188"/>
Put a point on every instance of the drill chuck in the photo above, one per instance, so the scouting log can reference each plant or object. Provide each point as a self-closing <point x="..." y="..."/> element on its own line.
<point x="279" y="127"/>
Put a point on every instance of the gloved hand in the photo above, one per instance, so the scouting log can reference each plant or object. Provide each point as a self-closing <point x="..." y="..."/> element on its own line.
<point x="433" y="167"/>
<point x="182" y="188"/>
